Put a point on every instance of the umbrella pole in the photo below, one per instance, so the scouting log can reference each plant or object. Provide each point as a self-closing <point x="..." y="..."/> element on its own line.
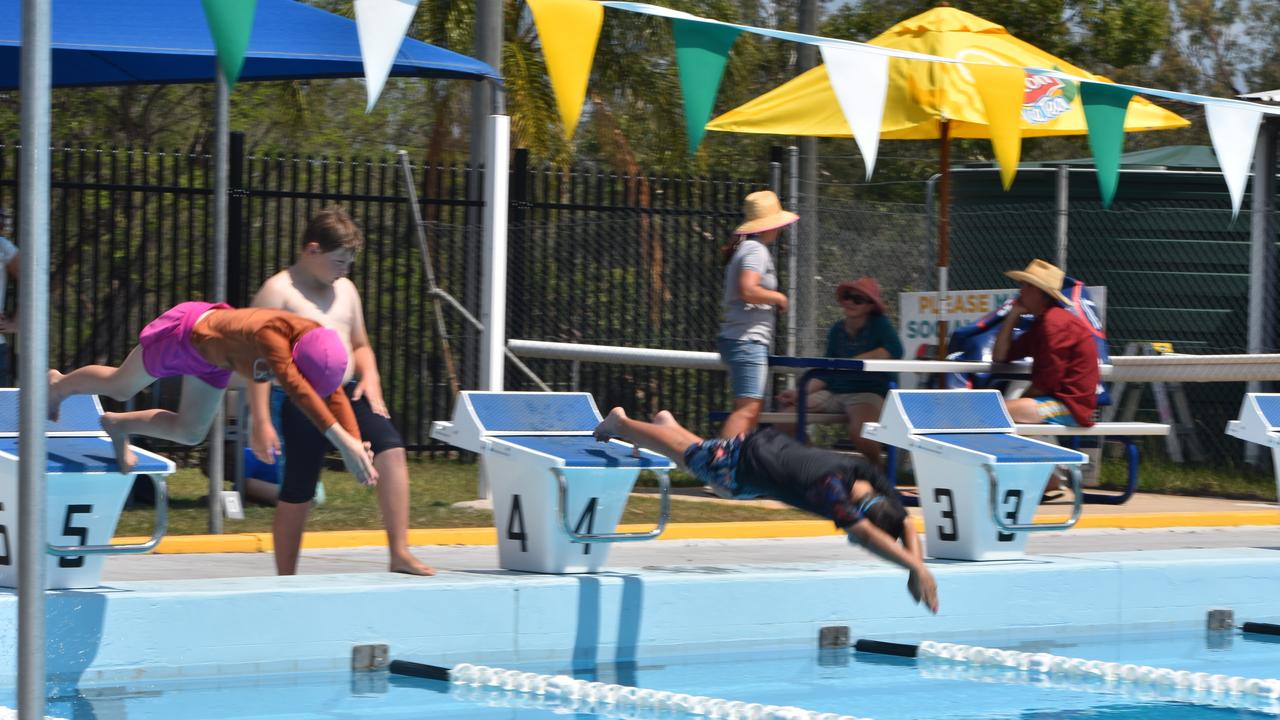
<point x="944" y="233"/>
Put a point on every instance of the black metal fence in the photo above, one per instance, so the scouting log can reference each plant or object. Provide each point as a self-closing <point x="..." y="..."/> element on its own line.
<point x="594" y="257"/>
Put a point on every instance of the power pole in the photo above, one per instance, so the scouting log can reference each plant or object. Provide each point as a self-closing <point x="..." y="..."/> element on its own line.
<point x="807" y="252"/>
<point x="486" y="100"/>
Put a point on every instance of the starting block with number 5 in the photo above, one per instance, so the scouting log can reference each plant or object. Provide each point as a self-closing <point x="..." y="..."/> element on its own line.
<point x="558" y="494"/>
<point x="85" y="493"/>
<point x="979" y="482"/>
<point x="1259" y="422"/>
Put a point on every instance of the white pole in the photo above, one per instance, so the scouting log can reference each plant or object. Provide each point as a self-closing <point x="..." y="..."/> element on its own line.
<point x="1262" y="258"/>
<point x="218" y="293"/>
<point x="493" y="301"/>
<point x="33" y="344"/>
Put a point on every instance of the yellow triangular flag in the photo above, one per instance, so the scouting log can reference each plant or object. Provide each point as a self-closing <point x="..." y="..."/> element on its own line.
<point x="1002" y="89"/>
<point x="568" y="31"/>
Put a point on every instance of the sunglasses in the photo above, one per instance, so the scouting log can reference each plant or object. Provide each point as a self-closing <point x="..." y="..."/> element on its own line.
<point x="856" y="299"/>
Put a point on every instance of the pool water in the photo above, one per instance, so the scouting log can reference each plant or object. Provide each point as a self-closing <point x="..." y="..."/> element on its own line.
<point x="837" y="681"/>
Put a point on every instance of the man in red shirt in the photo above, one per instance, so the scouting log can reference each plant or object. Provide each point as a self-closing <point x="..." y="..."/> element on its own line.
<point x="1064" y="370"/>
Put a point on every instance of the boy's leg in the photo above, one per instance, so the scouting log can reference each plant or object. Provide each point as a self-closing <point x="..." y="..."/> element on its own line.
<point x="118" y="383"/>
<point x="393" y="503"/>
<point x="188" y="426"/>
<point x="668" y="438"/>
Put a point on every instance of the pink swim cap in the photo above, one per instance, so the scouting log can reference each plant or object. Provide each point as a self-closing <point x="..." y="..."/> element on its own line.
<point x="322" y="359"/>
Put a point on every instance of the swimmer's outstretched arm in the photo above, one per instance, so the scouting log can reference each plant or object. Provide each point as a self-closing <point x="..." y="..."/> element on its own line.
<point x="920" y="584"/>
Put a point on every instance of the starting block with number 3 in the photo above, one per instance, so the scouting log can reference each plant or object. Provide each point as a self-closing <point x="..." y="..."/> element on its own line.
<point x="979" y="482"/>
<point x="558" y="494"/>
<point x="85" y="493"/>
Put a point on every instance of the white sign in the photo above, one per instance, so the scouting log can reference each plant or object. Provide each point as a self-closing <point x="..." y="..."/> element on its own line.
<point x="918" y="314"/>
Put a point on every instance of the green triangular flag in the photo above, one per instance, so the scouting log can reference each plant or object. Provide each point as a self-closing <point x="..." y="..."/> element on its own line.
<point x="231" y="24"/>
<point x="702" y="50"/>
<point x="1104" y="109"/>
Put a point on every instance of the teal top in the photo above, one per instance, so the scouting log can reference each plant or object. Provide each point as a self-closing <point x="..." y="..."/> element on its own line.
<point x="877" y="332"/>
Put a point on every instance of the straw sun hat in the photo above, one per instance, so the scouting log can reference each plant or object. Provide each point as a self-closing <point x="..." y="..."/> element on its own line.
<point x="763" y="212"/>
<point x="1043" y="275"/>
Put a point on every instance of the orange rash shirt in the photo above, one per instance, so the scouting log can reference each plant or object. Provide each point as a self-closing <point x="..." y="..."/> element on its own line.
<point x="234" y="339"/>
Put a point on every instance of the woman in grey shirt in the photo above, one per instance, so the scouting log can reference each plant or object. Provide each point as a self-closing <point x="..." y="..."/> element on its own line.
<point x="750" y="296"/>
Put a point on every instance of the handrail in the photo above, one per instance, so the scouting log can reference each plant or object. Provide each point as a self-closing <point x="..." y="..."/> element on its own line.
<point x="664" y="514"/>
<point x="162" y="524"/>
<point x="1076" y="510"/>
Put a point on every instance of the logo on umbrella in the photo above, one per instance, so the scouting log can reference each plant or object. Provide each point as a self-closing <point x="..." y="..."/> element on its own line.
<point x="1045" y="98"/>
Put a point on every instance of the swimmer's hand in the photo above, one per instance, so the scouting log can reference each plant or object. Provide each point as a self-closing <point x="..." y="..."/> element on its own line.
<point x="264" y="442"/>
<point x="370" y="388"/>
<point x="923" y="588"/>
<point x="357" y="456"/>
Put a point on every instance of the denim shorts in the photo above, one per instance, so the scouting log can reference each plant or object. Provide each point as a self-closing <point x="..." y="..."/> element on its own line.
<point x="748" y="366"/>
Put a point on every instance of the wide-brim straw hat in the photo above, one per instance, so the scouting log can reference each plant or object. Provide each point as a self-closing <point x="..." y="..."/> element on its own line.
<point x="864" y="286"/>
<point x="1043" y="275"/>
<point x="763" y="212"/>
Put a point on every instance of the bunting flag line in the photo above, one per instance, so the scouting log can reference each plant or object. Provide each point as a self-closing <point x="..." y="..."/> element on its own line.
<point x="702" y="51"/>
<point x="1234" y="133"/>
<point x="1104" y="109"/>
<point x="231" y="25"/>
<point x="568" y="31"/>
<point x="381" y="26"/>
<point x="860" y="81"/>
<point x="1001" y="89"/>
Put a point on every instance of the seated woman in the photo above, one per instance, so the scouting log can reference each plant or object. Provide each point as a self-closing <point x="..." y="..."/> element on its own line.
<point x="865" y="333"/>
<point x="847" y="490"/>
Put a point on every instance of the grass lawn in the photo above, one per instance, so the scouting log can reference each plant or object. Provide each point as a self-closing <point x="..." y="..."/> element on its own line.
<point x="435" y="486"/>
<point x="438" y="484"/>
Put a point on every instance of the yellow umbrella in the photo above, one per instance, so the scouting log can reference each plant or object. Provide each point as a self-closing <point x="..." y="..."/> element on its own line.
<point x="921" y="94"/>
<point x="932" y="100"/>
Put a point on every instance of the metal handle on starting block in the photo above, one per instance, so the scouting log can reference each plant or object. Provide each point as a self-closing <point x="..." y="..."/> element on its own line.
<point x="664" y="513"/>
<point x="1077" y="505"/>
<point x="162" y="524"/>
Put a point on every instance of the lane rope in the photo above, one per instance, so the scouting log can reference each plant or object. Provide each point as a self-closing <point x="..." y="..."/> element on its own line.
<point x="561" y="692"/>
<point x="1049" y="664"/>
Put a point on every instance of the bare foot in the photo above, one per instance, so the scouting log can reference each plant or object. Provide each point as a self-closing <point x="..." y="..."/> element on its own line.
<point x="124" y="454"/>
<point x="55" y="398"/>
<point x="664" y="417"/>
<point x="608" y="427"/>
<point x="409" y="565"/>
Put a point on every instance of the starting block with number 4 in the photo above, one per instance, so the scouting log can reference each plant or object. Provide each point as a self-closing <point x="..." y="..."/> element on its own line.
<point x="85" y="493"/>
<point x="979" y="482"/>
<point x="558" y="494"/>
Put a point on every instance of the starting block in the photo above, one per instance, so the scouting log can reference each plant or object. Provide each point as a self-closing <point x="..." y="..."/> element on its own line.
<point x="1259" y="422"/>
<point x="558" y="494"/>
<point x="979" y="482"/>
<point x="84" y="490"/>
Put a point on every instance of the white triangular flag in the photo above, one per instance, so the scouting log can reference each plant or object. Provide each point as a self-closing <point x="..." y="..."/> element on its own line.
<point x="860" y="80"/>
<point x="381" y="25"/>
<point x="1234" y="132"/>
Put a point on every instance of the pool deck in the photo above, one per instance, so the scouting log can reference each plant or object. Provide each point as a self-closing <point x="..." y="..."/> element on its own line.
<point x="1146" y="522"/>
<point x="1154" y="561"/>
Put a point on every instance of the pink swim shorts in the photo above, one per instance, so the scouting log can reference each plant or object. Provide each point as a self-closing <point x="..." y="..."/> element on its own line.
<point x="167" y="350"/>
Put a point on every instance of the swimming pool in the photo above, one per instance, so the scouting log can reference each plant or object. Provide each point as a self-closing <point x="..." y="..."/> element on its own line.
<point x="263" y="647"/>
<point x="836" y="681"/>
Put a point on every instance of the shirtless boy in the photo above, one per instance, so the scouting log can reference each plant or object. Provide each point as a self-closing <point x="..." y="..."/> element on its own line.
<point x="316" y="287"/>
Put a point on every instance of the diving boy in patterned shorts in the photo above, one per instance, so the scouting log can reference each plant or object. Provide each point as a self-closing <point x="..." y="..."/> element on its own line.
<point x="849" y="491"/>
